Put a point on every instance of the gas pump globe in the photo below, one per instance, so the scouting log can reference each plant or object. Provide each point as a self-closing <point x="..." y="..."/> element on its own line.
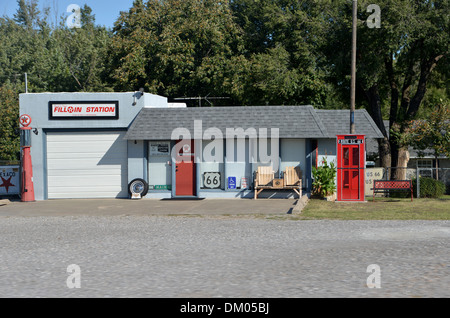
<point x="351" y="160"/>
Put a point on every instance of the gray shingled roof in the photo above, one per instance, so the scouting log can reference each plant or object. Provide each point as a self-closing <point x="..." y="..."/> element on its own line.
<point x="292" y="121"/>
<point x="338" y="122"/>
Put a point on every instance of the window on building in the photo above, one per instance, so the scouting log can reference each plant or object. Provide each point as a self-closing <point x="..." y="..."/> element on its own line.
<point x="425" y="163"/>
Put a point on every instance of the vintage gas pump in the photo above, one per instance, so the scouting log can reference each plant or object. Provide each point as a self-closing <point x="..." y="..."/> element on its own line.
<point x="27" y="188"/>
<point x="351" y="160"/>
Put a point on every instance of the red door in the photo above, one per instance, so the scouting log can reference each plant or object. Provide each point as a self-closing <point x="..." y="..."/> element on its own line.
<point x="350" y="171"/>
<point x="185" y="168"/>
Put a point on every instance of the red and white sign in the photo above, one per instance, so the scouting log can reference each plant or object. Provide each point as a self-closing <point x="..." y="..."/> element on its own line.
<point x="25" y="120"/>
<point x="95" y="109"/>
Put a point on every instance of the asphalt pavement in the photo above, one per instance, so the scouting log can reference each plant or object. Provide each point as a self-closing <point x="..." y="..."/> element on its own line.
<point x="98" y="207"/>
<point x="171" y="248"/>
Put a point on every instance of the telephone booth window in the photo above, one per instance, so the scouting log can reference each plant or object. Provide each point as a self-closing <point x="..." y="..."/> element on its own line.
<point x="355" y="156"/>
<point x="346" y="156"/>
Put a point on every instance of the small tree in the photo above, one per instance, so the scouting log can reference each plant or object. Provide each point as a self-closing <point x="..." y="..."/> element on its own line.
<point x="433" y="133"/>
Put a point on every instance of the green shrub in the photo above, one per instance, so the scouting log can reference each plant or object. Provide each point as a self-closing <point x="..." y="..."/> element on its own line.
<point x="429" y="188"/>
<point x="324" y="179"/>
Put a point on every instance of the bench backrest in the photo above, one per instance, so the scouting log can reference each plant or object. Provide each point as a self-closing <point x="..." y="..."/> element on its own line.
<point x="292" y="176"/>
<point x="392" y="184"/>
<point x="264" y="175"/>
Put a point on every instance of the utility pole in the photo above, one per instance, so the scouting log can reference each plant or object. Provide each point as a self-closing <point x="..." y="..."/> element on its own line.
<point x="26" y="83"/>
<point x="353" y="80"/>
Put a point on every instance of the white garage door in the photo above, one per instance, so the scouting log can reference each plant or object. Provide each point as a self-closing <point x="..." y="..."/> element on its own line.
<point x="86" y="165"/>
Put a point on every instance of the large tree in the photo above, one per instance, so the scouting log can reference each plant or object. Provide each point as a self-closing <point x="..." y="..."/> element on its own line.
<point x="394" y="62"/>
<point x="175" y="48"/>
<point x="281" y="40"/>
<point x="80" y="55"/>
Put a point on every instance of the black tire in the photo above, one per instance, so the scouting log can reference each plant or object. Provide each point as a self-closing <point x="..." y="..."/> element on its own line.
<point x="138" y="186"/>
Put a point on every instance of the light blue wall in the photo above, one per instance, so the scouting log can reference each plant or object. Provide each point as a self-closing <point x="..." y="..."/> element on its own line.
<point x="136" y="155"/>
<point x="327" y="149"/>
<point x="36" y="105"/>
<point x="293" y="154"/>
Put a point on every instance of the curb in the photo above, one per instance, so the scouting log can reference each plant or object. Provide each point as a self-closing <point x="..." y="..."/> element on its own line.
<point x="4" y="202"/>
<point x="301" y="203"/>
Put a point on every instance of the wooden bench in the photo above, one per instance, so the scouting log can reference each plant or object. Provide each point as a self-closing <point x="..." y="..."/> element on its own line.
<point x="264" y="180"/>
<point x="387" y="185"/>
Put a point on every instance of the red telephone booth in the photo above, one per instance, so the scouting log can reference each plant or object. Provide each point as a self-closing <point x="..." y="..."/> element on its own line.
<point x="351" y="162"/>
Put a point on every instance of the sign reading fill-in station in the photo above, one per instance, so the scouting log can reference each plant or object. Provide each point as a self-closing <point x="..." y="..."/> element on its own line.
<point x="9" y="180"/>
<point x="84" y="110"/>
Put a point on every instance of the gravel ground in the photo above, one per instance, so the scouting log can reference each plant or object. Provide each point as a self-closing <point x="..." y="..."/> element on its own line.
<point x="176" y="256"/>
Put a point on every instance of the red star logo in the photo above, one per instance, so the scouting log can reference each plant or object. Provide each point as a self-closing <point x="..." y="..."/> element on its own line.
<point x="25" y="120"/>
<point x="6" y="183"/>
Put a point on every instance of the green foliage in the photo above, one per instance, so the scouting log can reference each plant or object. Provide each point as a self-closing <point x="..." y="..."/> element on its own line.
<point x="429" y="188"/>
<point x="281" y="40"/>
<point x="55" y="58"/>
<point x="9" y="122"/>
<point x="175" y="48"/>
<point x="324" y="176"/>
<point x="432" y="133"/>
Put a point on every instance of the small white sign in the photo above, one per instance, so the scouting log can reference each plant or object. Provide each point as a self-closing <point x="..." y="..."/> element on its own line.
<point x="372" y="174"/>
<point x="160" y="149"/>
<point x="135" y="196"/>
<point x="212" y="180"/>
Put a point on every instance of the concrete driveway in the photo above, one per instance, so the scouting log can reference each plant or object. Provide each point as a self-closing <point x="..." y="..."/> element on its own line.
<point x="148" y="207"/>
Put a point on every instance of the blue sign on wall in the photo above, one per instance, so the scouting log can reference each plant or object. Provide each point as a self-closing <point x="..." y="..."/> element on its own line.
<point x="231" y="182"/>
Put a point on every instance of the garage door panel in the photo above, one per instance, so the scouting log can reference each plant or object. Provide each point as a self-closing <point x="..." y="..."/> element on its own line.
<point x="81" y="182"/>
<point x="98" y="163"/>
<point x="80" y="147"/>
<point x="84" y="173"/>
<point x="77" y="193"/>
<point x="85" y="156"/>
<point x="86" y="164"/>
<point x="81" y="136"/>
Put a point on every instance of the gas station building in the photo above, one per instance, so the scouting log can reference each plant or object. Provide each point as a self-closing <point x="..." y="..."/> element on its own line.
<point x="93" y="145"/>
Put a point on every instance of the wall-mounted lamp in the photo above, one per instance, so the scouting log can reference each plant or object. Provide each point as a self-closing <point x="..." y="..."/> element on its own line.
<point x="35" y="131"/>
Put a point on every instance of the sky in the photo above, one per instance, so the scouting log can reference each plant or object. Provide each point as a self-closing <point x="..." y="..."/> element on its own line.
<point x="106" y="11"/>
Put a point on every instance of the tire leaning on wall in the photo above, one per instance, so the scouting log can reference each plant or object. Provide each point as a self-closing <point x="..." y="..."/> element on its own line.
<point x="138" y="186"/>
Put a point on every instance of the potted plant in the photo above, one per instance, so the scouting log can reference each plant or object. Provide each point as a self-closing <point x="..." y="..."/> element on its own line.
<point x="324" y="180"/>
